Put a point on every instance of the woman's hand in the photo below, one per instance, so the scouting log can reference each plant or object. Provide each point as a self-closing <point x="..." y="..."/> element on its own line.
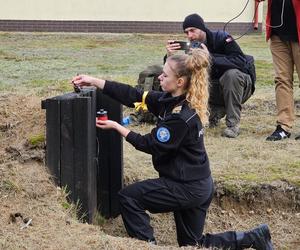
<point x="86" y="80"/>
<point x="109" y="124"/>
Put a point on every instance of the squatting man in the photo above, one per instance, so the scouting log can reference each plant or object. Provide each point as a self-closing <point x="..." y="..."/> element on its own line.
<point x="232" y="72"/>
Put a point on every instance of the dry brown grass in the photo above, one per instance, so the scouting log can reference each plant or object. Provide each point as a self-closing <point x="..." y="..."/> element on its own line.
<point x="238" y="164"/>
<point x="251" y="157"/>
<point x="256" y="181"/>
<point x="241" y="167"/>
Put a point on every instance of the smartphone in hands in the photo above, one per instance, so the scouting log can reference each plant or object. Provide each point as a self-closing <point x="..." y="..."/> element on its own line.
<point x="183" y="45"/>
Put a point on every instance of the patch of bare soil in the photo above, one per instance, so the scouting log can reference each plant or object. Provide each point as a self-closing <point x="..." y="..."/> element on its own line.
<point x="36" y="215"/>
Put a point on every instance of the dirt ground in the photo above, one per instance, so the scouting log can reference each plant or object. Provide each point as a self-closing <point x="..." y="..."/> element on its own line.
<point x="27" y="193"/>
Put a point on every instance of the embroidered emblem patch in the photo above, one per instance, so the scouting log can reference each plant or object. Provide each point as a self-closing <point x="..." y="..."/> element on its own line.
<point x="177" y="110"/>
<point x="163" y="134"/>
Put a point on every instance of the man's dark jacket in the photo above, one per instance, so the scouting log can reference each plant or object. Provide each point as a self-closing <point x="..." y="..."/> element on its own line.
<point x="226" y="54"/>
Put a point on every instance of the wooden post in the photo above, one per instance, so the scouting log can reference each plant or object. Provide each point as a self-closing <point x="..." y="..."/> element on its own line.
<point x="110" y="167"/>
<point x="53" y="137"/>
<point x="88" y="162"/>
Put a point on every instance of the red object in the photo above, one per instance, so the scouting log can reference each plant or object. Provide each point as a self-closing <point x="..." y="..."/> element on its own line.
<point x="296" y="4"/>
<point x="102" y="115"/>
<point x="255" y="24"/>
<point x="102" y="118"/>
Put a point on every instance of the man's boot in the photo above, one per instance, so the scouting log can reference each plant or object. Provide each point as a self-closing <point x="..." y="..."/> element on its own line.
<point x="258" y="238"/>
<point x="216" y="114"/>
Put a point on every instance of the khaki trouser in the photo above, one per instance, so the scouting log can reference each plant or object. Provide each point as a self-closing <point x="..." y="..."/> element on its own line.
<point x="285" y="56"/>
<point x="229" y="93"/>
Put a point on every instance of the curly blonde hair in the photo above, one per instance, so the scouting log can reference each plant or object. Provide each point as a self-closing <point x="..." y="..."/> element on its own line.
<point x="195" y="67"/>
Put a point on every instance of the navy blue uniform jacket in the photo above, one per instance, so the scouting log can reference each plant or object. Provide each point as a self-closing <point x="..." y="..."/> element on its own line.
<point x="176" y="143"/>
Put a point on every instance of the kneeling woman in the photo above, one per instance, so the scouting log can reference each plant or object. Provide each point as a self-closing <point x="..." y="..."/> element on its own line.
<point x="185" y="185"/>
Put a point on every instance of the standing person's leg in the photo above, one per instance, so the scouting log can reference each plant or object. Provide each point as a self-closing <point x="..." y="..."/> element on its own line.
<point x="296" y="57"/>
<point x="284" y="69"/>
<point x="237" y="89"/>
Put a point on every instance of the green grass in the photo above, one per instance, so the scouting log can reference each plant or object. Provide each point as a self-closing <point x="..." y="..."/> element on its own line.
<point x="286" y="172"/>
<point x="10" y="186"/>
<point x="41" y="60"/>
<point x="264" y="72"/>
<point x="45" y="60"/>
<point x="36" y="139"/>
<point x="73" y="209"/>
<point x="44" y="63"/>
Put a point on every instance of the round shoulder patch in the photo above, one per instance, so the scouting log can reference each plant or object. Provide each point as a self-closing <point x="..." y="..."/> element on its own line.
<point x="163" y="134"/>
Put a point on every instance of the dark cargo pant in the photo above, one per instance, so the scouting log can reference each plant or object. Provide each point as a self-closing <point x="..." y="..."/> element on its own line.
<point x="228" y="93"/>
<point x="188" y="201"/>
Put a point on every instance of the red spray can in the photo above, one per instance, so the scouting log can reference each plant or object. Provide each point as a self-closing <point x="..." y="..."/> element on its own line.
<point x="102" y="115"/>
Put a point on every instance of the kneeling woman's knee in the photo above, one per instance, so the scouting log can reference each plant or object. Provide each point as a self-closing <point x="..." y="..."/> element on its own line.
<point x="131" y="194"/>
<point x="122" y="196"/>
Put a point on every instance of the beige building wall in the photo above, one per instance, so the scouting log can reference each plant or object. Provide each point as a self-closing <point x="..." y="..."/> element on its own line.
<point x="126" y="10"/>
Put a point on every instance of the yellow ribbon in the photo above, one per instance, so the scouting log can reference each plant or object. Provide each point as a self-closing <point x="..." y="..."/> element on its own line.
<point x="142" y="105"/>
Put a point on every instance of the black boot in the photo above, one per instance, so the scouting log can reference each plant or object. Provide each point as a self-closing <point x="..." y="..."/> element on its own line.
<point x="258" y="238"/>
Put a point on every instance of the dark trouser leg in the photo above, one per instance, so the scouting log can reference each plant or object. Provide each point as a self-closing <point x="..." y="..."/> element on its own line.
<point x="136" y="198"/>
<point x="189" y="224"/>
<point x="190" y="221"/>
<point x="135" y="219"/>
<point x="236" y="87"/>
<point x="216" y="103"/>
<point x="216" y="97"/>
<point x="162" y="195"/>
